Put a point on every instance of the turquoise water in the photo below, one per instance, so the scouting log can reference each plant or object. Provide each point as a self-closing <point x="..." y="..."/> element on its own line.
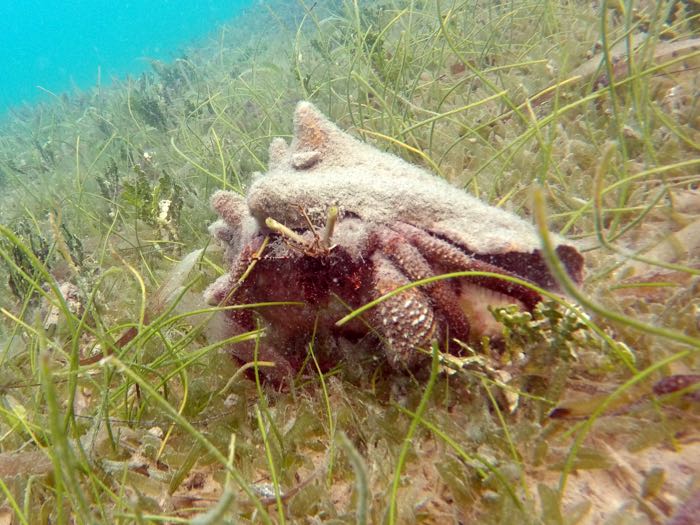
<point x="60" y="44"/>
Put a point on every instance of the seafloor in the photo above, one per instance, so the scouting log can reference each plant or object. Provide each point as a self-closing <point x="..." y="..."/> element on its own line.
<point x="118" y="403"/>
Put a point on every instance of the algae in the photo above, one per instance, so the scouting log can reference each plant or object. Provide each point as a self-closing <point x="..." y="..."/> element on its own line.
<point x="591" y="102"/>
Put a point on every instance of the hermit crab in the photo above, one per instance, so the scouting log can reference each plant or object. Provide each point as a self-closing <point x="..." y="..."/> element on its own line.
<point x="336" y="223"/>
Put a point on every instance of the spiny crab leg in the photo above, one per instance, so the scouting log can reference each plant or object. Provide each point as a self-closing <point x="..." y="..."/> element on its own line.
<point x="407" y="320"/>
<point x="409" y="260"/>
<point x="452" y="258"/>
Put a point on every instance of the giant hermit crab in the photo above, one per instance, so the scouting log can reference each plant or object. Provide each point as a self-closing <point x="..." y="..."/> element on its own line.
<point x="336" y="223"/>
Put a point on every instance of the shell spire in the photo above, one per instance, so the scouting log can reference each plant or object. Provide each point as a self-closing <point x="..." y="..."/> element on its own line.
<point x="316" y="139"/>
<point x="312" y="130"/>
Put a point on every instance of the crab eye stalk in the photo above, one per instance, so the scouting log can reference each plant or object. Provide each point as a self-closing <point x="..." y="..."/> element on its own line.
<point x="284" y="231"/>
<point x="330" y="226"/>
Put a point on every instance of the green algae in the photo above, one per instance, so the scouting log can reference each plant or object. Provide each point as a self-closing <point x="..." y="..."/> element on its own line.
<point x="455" y="86"/>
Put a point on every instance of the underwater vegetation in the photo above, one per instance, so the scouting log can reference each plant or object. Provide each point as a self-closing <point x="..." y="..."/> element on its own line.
<point x="119" y="399"/>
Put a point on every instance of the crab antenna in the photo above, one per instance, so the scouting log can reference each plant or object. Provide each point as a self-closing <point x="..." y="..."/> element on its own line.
<point x="283" y="230"/>
<point x="331" y="219"/>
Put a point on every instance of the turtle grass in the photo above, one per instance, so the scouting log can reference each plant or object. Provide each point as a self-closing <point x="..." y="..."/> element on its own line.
<point x="117" y="403"/>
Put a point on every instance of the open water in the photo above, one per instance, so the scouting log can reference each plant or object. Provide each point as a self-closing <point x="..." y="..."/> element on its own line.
<point x="55" y="45"/>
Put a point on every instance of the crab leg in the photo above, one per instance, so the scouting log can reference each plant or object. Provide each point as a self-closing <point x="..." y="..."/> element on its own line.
<point x="414" y="265"/>
<point x="406" y="321"/>
<point x="452" y="258"/>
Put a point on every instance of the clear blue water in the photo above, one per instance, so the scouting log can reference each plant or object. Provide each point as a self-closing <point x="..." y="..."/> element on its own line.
<point x="60" y="44"/>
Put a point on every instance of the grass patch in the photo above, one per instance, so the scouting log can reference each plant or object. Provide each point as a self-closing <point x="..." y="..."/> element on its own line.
<point x="117" y="404"/>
